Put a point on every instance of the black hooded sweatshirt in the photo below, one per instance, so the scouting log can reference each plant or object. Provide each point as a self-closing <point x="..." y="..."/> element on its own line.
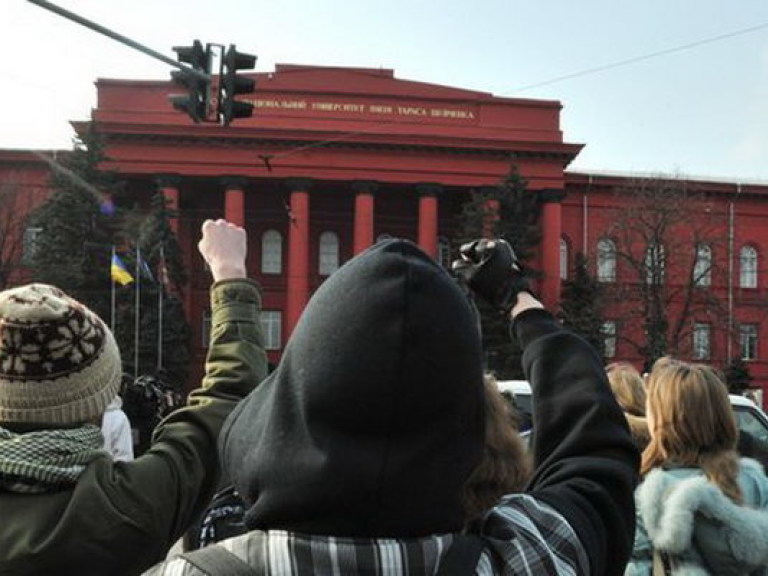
<point x="373" y="419"/>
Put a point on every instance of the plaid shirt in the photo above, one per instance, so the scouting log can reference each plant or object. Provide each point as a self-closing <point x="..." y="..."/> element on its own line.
<point x="522" y="536"/>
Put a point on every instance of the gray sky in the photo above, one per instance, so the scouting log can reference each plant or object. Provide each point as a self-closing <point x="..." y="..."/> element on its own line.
<point x="701" y="111"/>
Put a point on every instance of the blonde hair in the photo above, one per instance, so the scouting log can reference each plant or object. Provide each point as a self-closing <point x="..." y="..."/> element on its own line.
<point x="628" y="387"/>
<point x="506" y="465"/>
<point x="692" y="423"/>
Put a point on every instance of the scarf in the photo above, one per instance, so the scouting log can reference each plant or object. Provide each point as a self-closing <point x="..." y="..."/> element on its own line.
<point x="47" y="460"/>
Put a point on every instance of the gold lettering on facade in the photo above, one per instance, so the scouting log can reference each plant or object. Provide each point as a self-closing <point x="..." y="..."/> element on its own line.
<point x="337" y="107"/>
<point x="351" y="108"/>
<point x="411" y="111"/>
<point x="288" y="104"/>
<point x="451" y="113"/>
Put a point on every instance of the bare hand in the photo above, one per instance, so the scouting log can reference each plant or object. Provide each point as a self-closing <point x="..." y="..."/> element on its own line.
<point x="525" y="301"/>
<point x="223" y="246"/>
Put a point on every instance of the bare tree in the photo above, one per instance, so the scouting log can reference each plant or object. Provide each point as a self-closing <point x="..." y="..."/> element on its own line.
<point x="669" y="250"/>
<point x="11" y="230"/>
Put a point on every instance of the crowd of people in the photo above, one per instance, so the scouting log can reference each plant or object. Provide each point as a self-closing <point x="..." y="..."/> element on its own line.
<point x="377" y="445"/>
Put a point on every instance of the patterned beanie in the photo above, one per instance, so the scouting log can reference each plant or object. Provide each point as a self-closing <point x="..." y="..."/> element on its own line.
<point x="59" y="363"/>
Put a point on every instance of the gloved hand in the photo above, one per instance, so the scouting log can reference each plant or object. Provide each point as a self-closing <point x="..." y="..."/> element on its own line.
<point x="491" y="269"/>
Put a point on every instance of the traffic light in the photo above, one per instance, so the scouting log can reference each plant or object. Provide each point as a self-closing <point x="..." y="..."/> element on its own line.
<point x="195" y="101"/>
<point x="233" y="84"/>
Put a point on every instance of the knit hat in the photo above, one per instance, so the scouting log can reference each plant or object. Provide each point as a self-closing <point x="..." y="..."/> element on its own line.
<point x="59" y="363"/>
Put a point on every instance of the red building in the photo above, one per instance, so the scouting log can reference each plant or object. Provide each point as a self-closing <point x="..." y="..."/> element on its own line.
<point x="334" y="158"/>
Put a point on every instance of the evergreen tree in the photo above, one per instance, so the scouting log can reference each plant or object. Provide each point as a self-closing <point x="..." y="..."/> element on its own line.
<point x="581" y="304"/>
<point x="737" y="376"/>
<point x="78" y="226"/>
<point x="514" y="219"/>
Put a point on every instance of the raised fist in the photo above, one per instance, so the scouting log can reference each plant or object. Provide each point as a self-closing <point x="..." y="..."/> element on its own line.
<point x="490" y="268"/>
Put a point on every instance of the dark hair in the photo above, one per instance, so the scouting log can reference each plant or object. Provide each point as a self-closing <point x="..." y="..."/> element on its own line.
<point x="506" y="465"/>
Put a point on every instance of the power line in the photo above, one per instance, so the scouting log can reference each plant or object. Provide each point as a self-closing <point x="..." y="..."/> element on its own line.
<point x="636" y="59"/>
<point x="580" y="73"/>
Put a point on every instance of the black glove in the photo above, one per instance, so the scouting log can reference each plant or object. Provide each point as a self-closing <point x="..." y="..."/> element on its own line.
<point x="491" y="269"/>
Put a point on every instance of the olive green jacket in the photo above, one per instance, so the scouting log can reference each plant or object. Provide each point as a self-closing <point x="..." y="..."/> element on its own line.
<point x="122" y="517"/>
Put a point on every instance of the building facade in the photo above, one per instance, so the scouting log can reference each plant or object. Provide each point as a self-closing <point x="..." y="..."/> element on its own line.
<point x="335" y="158"/>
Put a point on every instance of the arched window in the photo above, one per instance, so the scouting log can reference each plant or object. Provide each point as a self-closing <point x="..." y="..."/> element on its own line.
<point x="702" y="270"/>
<point x="748" y="267"/>
<point x="444" y="252"/>
<point x="271" y="252"/>
<point x="606" y="260"/>
<point x="563" y="259"/>
<point x="328" y="257"/>
<point x="655" y="263"/>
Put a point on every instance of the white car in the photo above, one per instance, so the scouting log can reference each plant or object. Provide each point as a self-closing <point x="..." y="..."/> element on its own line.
<point x="752" y="421"/>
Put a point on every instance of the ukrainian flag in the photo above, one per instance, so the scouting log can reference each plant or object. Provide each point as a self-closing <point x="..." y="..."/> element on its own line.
<point x="119" y="272"/>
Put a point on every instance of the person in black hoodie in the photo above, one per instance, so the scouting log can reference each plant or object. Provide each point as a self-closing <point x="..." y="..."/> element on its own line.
<point x="352" y="455"/>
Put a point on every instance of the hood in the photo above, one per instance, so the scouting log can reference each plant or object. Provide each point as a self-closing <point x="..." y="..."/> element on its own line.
<point x="373" y="419"/>
<point x="693" y="512"/>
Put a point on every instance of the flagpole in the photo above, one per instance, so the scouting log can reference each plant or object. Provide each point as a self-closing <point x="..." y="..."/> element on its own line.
<point x="160" y="289"/>
<point x="112" y="295"/>
<point x="136" y="315"/>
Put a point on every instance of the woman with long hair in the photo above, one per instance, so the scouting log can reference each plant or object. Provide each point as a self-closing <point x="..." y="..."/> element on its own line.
<point x="700" y="508"/>
<point x="629" y="389"/>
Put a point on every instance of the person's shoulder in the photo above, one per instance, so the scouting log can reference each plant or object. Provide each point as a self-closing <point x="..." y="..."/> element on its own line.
<point x="543" y="536"/>
<point x="754" y="482"/>
<point x="246" y="547"/>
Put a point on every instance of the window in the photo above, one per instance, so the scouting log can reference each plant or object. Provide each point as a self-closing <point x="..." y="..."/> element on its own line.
<point x="205" y="329"/>
<point x="608" y="330"/>
<point x="655" y="262"/>
<point x="701" y="341"/>
<point x="563" y="259"/>
<point x="444" y="252"/>
<point x="272" y="328"/>
<point x="606" y="261"/>
<point x="748" y="341"/>
<point x="271" y="252"/>
<point x="328" y="260"/>
<point x="748" y="262"/>
<point x="702" y="270"/>
<point x="30" y="243"/>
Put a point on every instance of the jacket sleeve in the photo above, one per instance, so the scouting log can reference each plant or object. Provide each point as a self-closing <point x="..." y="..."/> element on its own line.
<point x="585" y="463"/>
<point x="162" y="491"/>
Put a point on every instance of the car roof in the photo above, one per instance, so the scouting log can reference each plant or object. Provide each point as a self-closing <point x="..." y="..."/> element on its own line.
<point x="524" y="387"/>
<point x="738" y="400"/>
<point x="514" y="386"/>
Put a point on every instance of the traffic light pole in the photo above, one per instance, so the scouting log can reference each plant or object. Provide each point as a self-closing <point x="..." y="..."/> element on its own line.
<point x="119" y="37"/>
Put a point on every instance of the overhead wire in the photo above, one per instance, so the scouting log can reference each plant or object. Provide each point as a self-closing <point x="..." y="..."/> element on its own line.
<point x="577" y="74"/>
<point x="635" y="59"/>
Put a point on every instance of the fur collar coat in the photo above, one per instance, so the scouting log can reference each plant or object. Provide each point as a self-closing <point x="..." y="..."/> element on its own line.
<point x="704" y="532"/>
